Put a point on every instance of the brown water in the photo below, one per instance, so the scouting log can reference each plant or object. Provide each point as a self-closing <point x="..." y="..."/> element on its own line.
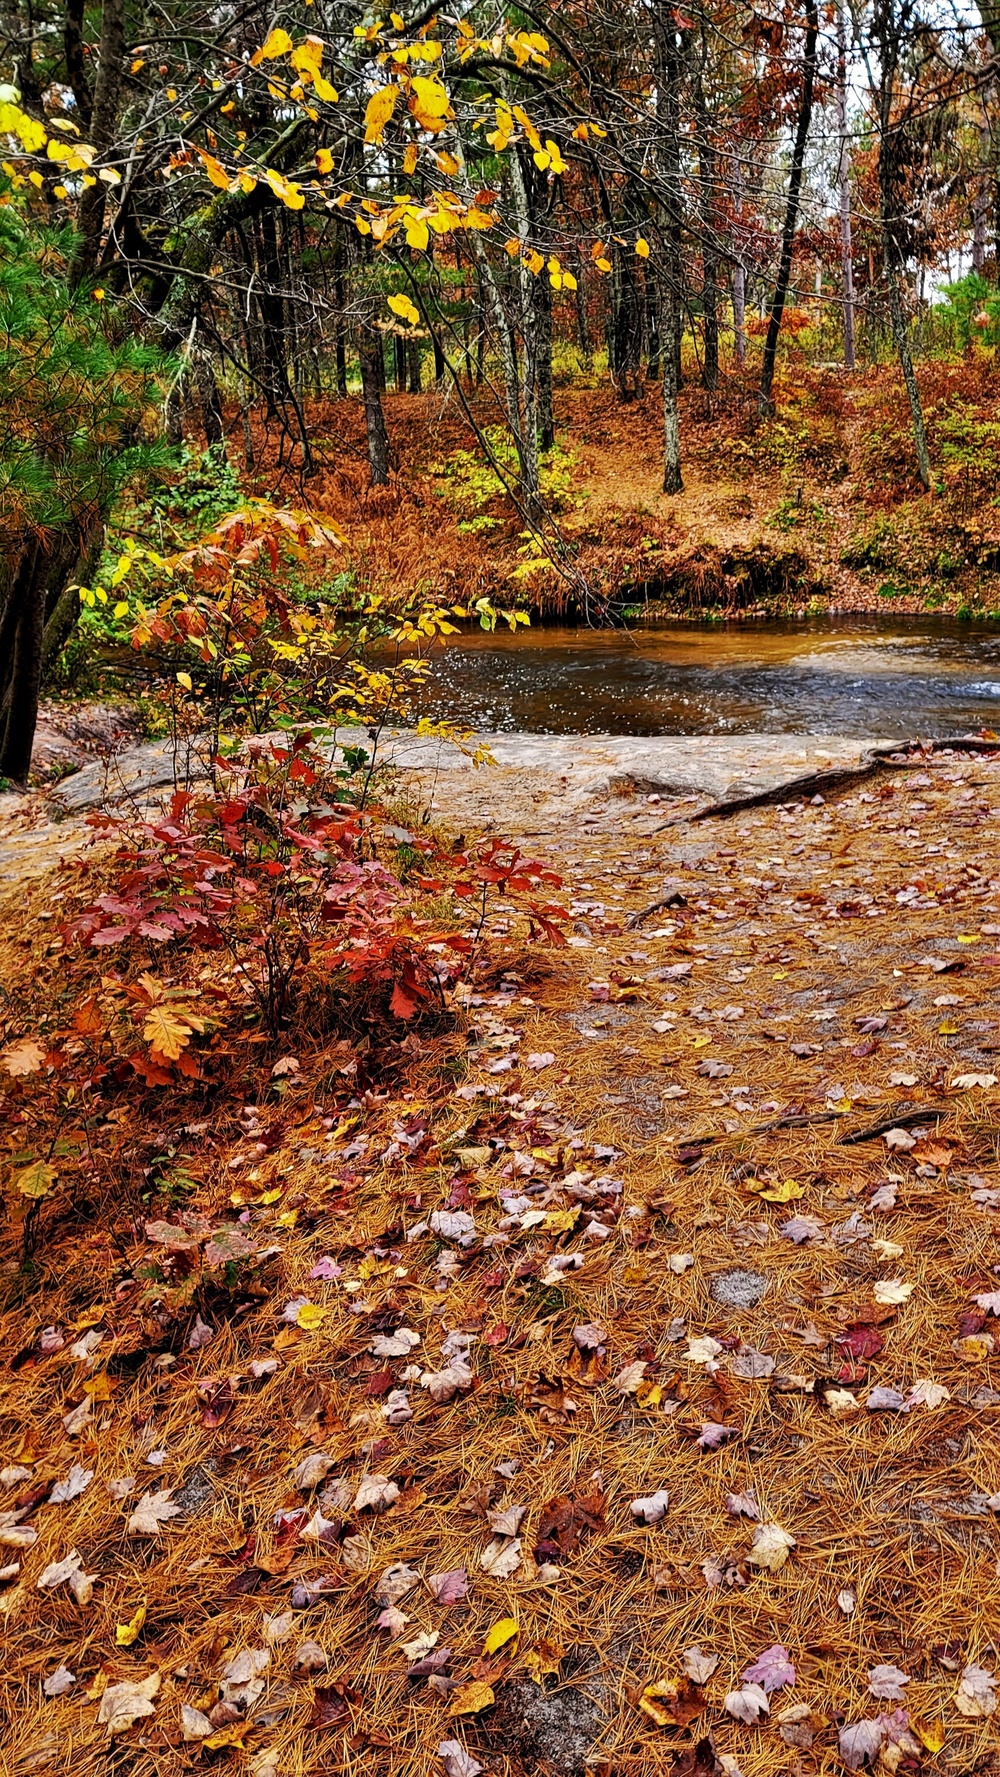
<point x="825" y="675"/>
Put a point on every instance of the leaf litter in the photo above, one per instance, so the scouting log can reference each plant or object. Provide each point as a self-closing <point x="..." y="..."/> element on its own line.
<point x="636" y="1322"/>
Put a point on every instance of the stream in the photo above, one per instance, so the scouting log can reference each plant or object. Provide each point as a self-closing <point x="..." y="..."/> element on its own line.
<point x="847" y="675"/>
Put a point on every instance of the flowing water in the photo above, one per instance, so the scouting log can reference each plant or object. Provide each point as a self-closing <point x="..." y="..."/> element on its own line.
<point x="825" y="675"/>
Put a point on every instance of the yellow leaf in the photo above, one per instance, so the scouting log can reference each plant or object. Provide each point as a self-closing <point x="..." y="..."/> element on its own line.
<point x="126" y="1633"/>
<point x="404" y="308"/>
<point x="642" y="248"/>
<point x="543" y="1658"/>
<point x="99" y="1387"/>
<point x="603" y="264"/>
<point x="165" y="1032"/>
<point x="324" y="160"/>
<point x="968" y="937"/>
<point x="500" y="1634"/>
<point x="556" y="162"/>
<point x="429" y="102"/>
<point x="285" y="189"/>
<point x="410" y="158"/>
<point x="378" y="111"/>
<point x="701" y="1042"/>
<point x="277" y="43"/>
<point x="310" y="1316"/>
<point x="417" y="235"/>
<point x="185" y="680"/>
<point x="216" y="172"/>
<point x="37" y="1180"/>
<point x="470" y="1698"/>
<point x="932" y="1736"/>
<point x="788" y="1192"/>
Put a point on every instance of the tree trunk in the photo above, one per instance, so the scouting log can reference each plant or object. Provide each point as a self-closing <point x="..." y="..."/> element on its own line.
<point x="543" y="362"/>
<point x="672" y="480"/>
<point x="668" y="269"/>
<point x="739" y="314"/>
<point x="21" y="629"/>
<point x="208" y="399"/>
<point x="399" y="354"/>
<point x="582" y="331"/>
<point x="378" y="439"/>
<point x="103" y="127"/>
<point x="413" y="368"/>
<point x="843" y="181"/>
<point x="889" y="32"/>
<point x="765" y="399"/>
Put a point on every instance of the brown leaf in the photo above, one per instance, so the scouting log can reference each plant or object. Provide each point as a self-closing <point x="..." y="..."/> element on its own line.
<point x="332" y="1704"/>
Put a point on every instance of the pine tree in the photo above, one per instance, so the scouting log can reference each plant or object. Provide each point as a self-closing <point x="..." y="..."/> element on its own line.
<point x="73" y="431"/>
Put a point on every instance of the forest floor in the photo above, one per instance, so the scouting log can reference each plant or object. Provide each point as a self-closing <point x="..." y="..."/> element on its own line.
<point x="607" y="1382"/>
<point x="817" y="508"/>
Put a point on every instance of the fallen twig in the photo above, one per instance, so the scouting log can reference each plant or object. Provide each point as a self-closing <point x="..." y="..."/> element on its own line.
<point x="814" y="783"/>
<point x="900" y="1120"/>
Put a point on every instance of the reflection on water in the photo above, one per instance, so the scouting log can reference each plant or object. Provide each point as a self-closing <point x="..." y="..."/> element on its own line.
<point x="828" y="675"/>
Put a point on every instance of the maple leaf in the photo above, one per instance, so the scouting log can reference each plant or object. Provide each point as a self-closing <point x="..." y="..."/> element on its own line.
<point x="747" y="1704"/>
<point x="886" y="1682"/>
<point x="976" y="1693"/>
<point x="860" y="1741"/>
<point x="771" y="1670"/>
<point x="770" y="1547"/>
<point x="151" y="1513"/>
<point x="448" y="1588"/>
<point x="124" y="1703"/>
<point x="457" y="1761"/>
<point x="23" y="1058"/>
<point x="698" y="1666"/>
<point x="651" y="1509"/>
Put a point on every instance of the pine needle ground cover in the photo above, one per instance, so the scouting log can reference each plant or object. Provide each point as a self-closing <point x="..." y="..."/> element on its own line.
<point x="571" y="1392"/>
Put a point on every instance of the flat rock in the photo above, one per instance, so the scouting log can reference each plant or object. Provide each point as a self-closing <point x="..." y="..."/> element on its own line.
<point x="585" y="765"/>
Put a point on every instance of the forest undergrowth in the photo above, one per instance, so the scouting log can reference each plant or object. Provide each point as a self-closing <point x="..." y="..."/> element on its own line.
<point x="599" y="1377"/>
<point x="813" y="508"/>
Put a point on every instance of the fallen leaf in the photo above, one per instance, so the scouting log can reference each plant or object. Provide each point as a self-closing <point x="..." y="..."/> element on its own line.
<point x="893" y="1290"/>
<point x="886" y="1682"/>
<point x="501" y="1559"/>
<point x="76" y="1482"/>
<point x="448" y="1588"/>
<point x="59" y="1682"/>
<point x="772" y="1669"/>
<point x="860" y="1741"/>
<point x="652" y="1508"/>
<point x="195" y="1725"/>
<point x="698" y="1666"/>
<point x="124" y="1703"/>
<point x="376" y="1492"/>
<point x="927" y="1394"/>
<point x="151" y="1513"/>
<point x="19" y="1060"/>
<point x="127" y="1633"/>
<point x="503" y="1631"/>
<point x="457" y="1762"/>
<point x="671" y="1702"/>
<point x="471" y="1698"/>
<point x="747" y="1704"/>
<point x="976" y="1693"/>
<point x="770" y="1547"/>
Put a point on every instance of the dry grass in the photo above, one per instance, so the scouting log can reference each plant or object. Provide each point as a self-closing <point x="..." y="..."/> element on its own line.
<point x="887" y="1504"/>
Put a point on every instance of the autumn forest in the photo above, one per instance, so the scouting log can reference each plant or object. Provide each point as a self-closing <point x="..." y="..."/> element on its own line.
<point x="499" y="905"/>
